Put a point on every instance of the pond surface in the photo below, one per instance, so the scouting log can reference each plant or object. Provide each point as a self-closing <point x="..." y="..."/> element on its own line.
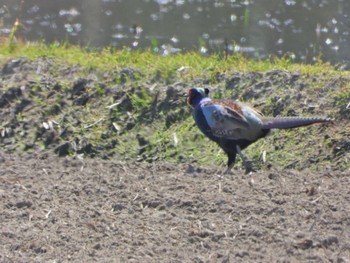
<point x="302" y="30"/>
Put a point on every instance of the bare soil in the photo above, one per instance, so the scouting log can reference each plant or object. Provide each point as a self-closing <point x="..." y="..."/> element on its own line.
<point x="72" y="210"/>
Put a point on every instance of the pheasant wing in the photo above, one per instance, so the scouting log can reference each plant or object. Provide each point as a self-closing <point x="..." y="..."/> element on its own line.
<point x="225" y="122"/>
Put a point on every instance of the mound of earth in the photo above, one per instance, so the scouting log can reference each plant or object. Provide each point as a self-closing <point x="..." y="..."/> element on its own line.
<point x="125" y="114"/>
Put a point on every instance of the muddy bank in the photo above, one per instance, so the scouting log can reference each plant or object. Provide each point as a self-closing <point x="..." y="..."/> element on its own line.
<point x="48" y="107"/>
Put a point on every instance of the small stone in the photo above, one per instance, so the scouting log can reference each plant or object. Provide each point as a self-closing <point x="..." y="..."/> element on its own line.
<point x="97" y="246"/>
<point x="190" y="169"/>
<point x="24" y="204"/>
<point x="118" y="207"/>
<point x="63" y="149"/>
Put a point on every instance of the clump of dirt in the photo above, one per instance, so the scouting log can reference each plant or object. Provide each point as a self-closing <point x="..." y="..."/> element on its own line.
<point x="71" y="209"/>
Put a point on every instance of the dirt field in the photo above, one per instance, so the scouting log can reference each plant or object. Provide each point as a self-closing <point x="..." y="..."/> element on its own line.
<point x="64" y="209"/>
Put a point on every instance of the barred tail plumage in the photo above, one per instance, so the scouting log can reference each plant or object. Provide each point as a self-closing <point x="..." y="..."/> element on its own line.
<point x="292" y="122"/>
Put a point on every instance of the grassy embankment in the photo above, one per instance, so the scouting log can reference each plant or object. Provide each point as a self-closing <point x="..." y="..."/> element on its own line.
<point x="130" y="105"/>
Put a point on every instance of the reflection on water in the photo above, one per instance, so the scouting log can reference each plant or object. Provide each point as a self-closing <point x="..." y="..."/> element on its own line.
<point x="301" y="29"/>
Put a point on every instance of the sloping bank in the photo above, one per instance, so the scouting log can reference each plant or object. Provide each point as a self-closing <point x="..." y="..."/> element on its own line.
<point x="129" y="113"/>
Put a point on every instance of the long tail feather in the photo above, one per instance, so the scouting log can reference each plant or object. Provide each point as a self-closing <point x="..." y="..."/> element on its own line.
<point x="292" y="122"/>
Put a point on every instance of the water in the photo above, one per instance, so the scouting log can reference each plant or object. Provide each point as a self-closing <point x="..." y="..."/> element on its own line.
<point x="302" y="30"/>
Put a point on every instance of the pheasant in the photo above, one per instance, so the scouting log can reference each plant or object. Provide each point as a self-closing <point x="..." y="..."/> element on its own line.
<point x="234" y="125"/>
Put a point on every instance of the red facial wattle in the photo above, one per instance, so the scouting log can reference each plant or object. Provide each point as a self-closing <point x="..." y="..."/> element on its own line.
<point x="189" y="98"/>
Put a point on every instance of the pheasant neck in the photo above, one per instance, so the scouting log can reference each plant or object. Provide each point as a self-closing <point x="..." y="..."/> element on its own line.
<point x="204" y="101"/>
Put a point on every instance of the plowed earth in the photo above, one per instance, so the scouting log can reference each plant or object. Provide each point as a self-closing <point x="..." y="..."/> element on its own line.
<point x="70" y="210"/>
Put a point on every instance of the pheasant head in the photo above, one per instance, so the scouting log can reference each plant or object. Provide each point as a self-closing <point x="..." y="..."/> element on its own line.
<point x="195" y="95"/>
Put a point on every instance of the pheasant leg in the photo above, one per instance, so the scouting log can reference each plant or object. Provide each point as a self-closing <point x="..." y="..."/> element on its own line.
<point x="246" y="163"/>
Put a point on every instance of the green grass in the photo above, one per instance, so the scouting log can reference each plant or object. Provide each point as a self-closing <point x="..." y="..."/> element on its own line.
<point x="193" y="64"/>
